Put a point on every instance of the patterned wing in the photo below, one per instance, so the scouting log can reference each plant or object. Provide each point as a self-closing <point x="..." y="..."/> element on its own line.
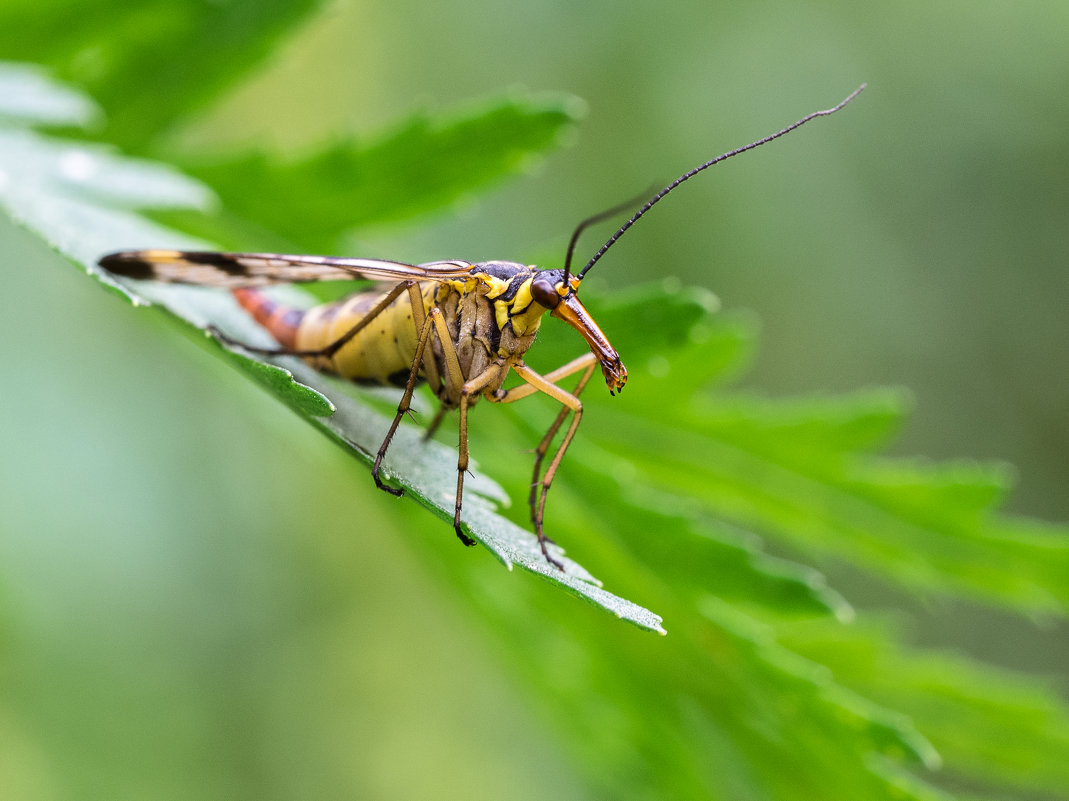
<point x="235" y="270"/>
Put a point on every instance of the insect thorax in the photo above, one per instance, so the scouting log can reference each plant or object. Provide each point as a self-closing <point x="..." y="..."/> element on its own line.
<point x="490" y="316"/>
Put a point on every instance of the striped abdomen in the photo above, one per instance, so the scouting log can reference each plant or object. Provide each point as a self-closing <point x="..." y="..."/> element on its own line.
<point x="280" y="321"/>
<point x="382" y="353"/>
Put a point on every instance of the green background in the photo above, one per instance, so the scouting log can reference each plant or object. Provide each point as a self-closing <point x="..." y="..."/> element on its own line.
<point x="209" y="600"/>
<point x="921" y="242"/>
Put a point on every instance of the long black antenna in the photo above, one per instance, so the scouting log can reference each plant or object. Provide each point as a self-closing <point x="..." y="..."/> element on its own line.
<point x="690" y="174"/>
<point x="602" y="215"/>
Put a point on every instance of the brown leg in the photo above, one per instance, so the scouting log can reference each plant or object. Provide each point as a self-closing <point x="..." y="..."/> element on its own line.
<point x="462" y="468"/>
<point x="539" y="487"/>
<point x="436" y="421"/>
<point x="455" y="384"/>
<point x="469" y="390"/>
<point x="572" y="406"/>
<point x="405" y="403"/>
<point x="454" y="379"/>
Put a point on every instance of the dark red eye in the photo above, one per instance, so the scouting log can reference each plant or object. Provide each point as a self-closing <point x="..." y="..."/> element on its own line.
<point x="544" y="292"/>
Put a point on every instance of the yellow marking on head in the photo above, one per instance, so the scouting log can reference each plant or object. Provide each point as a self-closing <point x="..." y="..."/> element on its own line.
<point x="526" y="315"/>
<point x="571" y="288"/>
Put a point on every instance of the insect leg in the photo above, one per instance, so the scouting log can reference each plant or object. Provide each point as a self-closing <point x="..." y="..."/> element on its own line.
<point x="455" y="379"/>
<point x="525" y="390"/>
<point x="469" y="389"/>
<point x="539" y="487"/>
<point x="585" y="362"/>
<point x="572" y="406"/>
<point x="436" y="421"/>
<point x="427" y="325"/>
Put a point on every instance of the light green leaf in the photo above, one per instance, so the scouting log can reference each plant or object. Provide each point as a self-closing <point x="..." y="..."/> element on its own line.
<point x="28" y="94"/>
<point x="75" y="196"/>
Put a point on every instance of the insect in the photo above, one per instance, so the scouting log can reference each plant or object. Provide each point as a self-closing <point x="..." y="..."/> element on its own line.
<point x="459" y="327"/>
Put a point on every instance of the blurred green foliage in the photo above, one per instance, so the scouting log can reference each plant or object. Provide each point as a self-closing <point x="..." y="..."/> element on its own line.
<point x="350" y="185"/>
<point x="199" y="599"/>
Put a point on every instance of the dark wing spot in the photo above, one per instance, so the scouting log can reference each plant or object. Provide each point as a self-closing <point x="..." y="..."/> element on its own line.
<point x="222" y="261"/>
<point x="127" y="265"/>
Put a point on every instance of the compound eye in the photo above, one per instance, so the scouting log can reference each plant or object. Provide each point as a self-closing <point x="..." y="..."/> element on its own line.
<point x="544" y="292"/>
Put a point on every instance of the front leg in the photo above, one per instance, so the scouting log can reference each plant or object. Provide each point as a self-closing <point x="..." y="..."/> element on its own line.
<point x="468" y="393"/>
<point x="571" y="406"/>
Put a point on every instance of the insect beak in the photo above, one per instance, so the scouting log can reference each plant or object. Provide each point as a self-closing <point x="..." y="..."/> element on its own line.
<point x="571" y="311"/>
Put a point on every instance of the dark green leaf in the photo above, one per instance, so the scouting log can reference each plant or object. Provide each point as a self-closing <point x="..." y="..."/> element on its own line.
<point x="133" y="55"/>
<point x="426" y="163"/>
<point x="983" y="721"/>
<point x="801" y="470"/>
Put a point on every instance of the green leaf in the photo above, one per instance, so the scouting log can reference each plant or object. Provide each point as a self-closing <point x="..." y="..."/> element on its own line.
<point x="279" y="382"/>
<point x="426" y="163"/>
<point x="679" y="477"/>
<point x="79" y="194"/>
<point x="802" y="470"/>
<point x="76" y="197"/>
<point x="131" y="55"/>
<point x="29" y="95"/>
<point x="760" y="692"/>
<point x="718" y="709"/>
<point x="709" y="557"/>
<point x="985" y="722"/>
<point x="426" y="470"/>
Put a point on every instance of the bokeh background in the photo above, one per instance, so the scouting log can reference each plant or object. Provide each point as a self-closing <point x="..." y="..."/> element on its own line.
<point x="923" y="241"/>
<point x="917" y="239"/>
